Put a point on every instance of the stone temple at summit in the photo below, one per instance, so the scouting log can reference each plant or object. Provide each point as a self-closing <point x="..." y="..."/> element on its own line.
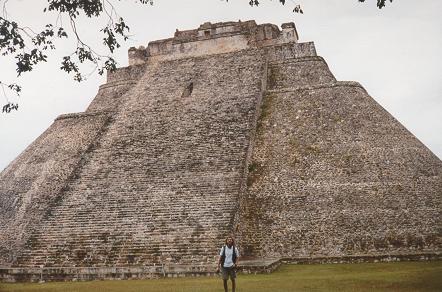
<point x="230" y="128"/>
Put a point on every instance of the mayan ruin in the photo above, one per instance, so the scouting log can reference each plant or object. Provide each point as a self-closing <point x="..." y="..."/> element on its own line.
<point x="230" y="128"/>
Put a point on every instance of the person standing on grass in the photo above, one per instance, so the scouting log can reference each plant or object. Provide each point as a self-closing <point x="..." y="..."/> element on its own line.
<point x="227" y="262"/>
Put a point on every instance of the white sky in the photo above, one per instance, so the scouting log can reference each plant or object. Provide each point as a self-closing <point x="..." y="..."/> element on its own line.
<point x="395" y="53"/>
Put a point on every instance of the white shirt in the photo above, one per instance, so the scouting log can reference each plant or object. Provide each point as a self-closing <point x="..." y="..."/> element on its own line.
<point x="228" y="262"/>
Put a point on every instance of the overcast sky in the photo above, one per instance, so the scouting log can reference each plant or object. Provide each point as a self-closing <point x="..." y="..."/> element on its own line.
<point x="395" y="53"/>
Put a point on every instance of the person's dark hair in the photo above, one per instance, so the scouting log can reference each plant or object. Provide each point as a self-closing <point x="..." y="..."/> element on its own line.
<point x="233" y="240"/>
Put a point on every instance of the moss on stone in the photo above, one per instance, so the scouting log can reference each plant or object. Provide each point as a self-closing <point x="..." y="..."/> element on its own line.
<point x="255" y="172"/>
<point x="266" y="109"/>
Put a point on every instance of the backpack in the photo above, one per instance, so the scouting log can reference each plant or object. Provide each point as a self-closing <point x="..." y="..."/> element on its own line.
<point x="223" y="255"/>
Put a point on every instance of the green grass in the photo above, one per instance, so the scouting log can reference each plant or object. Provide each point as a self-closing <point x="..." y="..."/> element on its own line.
<point x="403" y="276"/>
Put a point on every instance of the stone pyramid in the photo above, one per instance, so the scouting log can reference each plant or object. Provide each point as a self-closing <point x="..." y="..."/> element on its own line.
<point x="231" y="128"/>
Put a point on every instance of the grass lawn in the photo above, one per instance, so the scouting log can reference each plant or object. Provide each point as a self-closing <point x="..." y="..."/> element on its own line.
<point x="402" y="276"/>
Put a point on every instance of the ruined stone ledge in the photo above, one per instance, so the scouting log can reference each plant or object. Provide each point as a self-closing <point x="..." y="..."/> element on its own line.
<point x="248" y="33"/>
<point x="290" y="50"/>
<point x="297" y="60"/>
<point x="81" y="115"/>
<point x="275" y="54"/>
<point x="260" y="266"/>
<point x="393" y="257"/>
<point x="126" y="73"/>
<point x="220" y="56"/>
<point x="253" y="266"/>
<point x="319" y="86"/>
<point x="192" y="35"/>
<point x="51" y="274"/>
<point x="175" y="40"/>
<point x="330" y="183"/>
<point x="118" y="83"/>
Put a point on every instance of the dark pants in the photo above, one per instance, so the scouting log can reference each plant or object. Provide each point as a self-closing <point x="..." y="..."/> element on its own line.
<point x="228" y="272"/>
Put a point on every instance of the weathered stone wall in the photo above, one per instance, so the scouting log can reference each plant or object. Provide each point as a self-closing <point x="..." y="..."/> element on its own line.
<point x="216" y="38"/>
<point x="59" y="274"/>
<point x="163" y="184"/>
<point x="171" y="50"/>
<point x="177" y="152"/>
<point x="109" y="96"/>
<point x="277" y="53"/>
<point x="334" y="174"/>
<point x="297" y="72"/>
<point x="32" y="183"/>
<point x="119" y="82"/>
<point x="130" y="74"/>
